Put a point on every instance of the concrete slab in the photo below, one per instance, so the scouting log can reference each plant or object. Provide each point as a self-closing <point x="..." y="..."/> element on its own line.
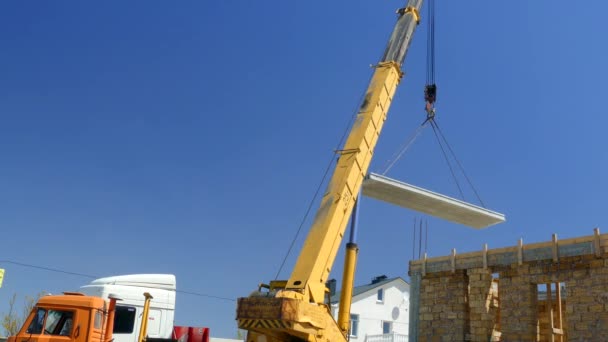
<point x="428" y="202"/>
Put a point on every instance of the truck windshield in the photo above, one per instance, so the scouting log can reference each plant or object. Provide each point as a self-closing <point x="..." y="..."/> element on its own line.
<point x="36" y="325"/>
<point x="54" y="322"/>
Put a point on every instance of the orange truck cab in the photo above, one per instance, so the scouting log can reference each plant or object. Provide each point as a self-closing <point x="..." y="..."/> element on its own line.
<point x="93" y="314"/>
<point x="72" y="317"/>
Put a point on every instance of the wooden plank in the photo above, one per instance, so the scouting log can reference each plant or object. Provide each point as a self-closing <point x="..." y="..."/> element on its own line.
<point x="560" y="322"/>
<point x="596" y="242"/>
<point x="467" y="255"/>
<point x="520" y="251"/>
<point x="441" y="258"/>
<point x="509" y="249"/>
<point x="518" y="254"/>
<point x="550" y="311"/>
<point x="554" y="247"/>
<point x="588" y="238"/>
<point x="428" y="202"/>
<point x="485" y="256"/>
<point x="423" y="266"/>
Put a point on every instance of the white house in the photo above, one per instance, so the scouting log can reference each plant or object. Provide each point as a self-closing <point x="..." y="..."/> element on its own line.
<point x="379" y="311"/>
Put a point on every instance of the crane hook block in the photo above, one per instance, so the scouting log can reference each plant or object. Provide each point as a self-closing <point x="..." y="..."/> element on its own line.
<point x="430" y="93"/>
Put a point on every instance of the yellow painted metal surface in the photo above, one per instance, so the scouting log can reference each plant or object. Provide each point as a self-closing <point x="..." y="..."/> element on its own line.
<point x="278" y="319"/>
<point x="144" y="318"/>
<point x="1" y="276"/>
<point x="317" y="256"/>
<point x="297" y="311"/>
<point x="348" y="280"/>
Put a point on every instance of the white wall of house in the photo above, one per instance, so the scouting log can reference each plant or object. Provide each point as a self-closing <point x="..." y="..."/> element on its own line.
<point x="216" y="339"/>
<point x="372" y="313"/>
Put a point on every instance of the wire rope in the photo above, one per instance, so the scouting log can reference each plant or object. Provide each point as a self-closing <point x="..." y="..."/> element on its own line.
<point x="464" y="173"/>
<point x="327" y="169"/>
<point x="447" y="160"/>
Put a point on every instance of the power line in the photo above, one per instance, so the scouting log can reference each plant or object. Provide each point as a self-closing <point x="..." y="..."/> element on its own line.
<point x="55" y="270"/>
<point x="49" y="269"/>
<point x="205" y="295"/>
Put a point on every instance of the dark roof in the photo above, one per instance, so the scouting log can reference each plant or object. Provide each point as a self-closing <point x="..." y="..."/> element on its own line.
<point x="364" y="288"/>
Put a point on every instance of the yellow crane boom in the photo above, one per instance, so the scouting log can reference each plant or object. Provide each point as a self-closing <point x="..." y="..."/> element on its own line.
<point x="294" y="310"/>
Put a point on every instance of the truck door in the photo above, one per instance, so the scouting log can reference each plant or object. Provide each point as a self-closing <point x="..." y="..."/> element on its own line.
<point x="55" y="325"/>
<point x="155" y="320"/>
<point x="59" y="326"/>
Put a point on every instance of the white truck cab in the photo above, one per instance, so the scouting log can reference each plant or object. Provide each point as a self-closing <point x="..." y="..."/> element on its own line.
<point x="130" y="289"/>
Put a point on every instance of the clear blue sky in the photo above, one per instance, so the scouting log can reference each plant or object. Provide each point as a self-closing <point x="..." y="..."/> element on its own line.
<point x="188" y="137"/>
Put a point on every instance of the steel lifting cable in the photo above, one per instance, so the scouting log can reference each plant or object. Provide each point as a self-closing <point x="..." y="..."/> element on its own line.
<point x="430" y="95"/>
<point x="321" y="182"/>
<point x="435" y="125"/>
<point x="447" y="160"/>
<point x="430" y="89"/>
<point x="430" y="43"/>
<point x="406" y="145"/>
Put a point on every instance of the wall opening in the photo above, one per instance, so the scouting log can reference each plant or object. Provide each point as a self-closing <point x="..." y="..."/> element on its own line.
<point x="551" y="312"/>
<point x="495" y="305"/>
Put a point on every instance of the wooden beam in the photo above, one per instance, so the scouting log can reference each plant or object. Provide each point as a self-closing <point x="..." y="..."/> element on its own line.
<point x="560" y="322"/>
<point x="596" y="242"/>
<point x="550" y="311"/>
<point x="424" y="265"/>
<point x="516" y="255"/>
<point x="554" y="247"/>
<point x="520" y="251"/>
<point x="485" y="256"/>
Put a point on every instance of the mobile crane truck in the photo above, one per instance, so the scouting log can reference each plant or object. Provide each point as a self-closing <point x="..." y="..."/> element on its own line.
<point x="128" y="308"/>
<point x="295" y="309"/>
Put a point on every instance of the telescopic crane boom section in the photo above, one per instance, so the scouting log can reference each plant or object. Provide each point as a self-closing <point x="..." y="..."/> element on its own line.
<point x="294" y="310"/>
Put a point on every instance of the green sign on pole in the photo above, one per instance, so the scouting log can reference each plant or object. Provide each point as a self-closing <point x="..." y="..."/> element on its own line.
<point x="1" y="276"/>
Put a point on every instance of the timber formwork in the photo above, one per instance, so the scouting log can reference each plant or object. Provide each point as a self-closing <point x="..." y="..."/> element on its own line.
<point x="549" y="291"/>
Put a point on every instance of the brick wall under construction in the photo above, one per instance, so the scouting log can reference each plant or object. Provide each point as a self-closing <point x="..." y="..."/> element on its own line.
<point x="551" y="291"/>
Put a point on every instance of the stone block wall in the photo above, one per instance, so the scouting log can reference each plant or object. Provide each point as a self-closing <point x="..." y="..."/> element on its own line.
<point x="483" y="304"/>
<point x="444" y="315"/>
<point x="460" y="300"/>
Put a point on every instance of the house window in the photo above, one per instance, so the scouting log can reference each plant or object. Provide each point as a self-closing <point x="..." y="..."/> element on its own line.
<point x="387" y="327"/>
<point x="354" y="325"/>
<point x="380" y="296"/>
